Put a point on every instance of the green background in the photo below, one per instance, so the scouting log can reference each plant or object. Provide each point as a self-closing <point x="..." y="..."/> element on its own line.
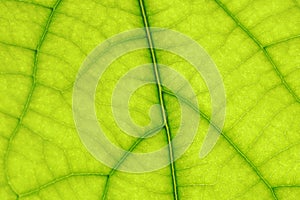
<point x="256" y="47"/>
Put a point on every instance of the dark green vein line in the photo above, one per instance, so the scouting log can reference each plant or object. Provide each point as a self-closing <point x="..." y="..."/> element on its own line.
<point x="59" y="179"/>
<point x="8" y="114"/>
<point x="29" y="97"/>
<point x="236" y="148"/>
<point x="123" y="158"/>
<point x="282" y="40"/>
<point x="17" y="46"/>
<point x="286" y="186"/>
<point x="160" y="95"/>
<point x="30" y="3"/>
<point x="262" y="47"/>
<point x="14" y="74"/>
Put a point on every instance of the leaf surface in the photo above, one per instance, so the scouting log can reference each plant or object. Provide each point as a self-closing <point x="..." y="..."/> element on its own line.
<point x="256" y="47"/>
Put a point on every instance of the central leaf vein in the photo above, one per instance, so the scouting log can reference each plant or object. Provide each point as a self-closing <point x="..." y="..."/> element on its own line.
<point x="160" y="96"/>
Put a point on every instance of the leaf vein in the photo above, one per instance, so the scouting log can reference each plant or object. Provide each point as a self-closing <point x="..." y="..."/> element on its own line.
<point x="235" y="147"/>
<point x="262" y="47"/>
<point x="160" y="96"/>
<point x="57" y="180"/>
<point x="29" y="97"/>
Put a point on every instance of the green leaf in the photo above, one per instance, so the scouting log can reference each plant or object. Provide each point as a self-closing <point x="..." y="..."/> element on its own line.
<point x="256" y="47"/>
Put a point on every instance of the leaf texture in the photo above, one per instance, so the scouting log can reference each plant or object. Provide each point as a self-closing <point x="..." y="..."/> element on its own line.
<point x="256" y="47"/>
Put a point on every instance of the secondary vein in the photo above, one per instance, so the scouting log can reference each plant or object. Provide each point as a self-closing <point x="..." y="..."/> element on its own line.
<point x="123" y="158"/>
<point x="229" y="140"/>
<point x="30" y="94"/>
<point x="263" y="49"/>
